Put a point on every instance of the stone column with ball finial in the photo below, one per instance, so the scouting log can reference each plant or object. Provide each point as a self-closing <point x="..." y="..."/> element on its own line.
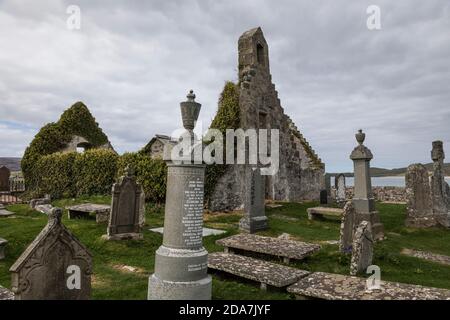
<point x="363" y="199"/>
<point x="181" y="262"/>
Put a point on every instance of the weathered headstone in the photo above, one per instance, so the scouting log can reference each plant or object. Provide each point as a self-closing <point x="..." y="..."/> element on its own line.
<point x="55" y="266"/>
<point x="125" y="209"/>
<point x="254" y="210"/>
<point x="5" y="173"/>
<point x="440" y="190"/>
<point x="362" y="248"/>
<point x="181" y="262"/>
<point x="3" y="244"/>
<point x="339" y="183"/>
<point x="419" y="211"/>
<point x="363" y="199"/>
<point x="347" y="228"/>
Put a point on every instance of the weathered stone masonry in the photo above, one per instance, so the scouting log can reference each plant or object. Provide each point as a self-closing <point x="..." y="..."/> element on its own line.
<point x="301" y="170"/>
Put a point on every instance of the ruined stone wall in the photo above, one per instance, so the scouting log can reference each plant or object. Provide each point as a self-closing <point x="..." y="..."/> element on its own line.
<point x="392" y="194"/>
<point x="301" y="170"/>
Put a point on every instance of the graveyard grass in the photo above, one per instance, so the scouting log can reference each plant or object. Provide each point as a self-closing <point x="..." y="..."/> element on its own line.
<point x="111" y="281"/>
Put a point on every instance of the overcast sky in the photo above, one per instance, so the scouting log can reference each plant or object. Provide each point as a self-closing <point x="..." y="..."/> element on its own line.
<point x="132" y="62"/>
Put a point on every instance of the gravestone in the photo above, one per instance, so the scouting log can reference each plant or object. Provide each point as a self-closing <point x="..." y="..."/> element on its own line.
<point x="4" y="178"/>
<point x="419" y="210"/>
<point x="363" y="199"/>
<point x="339" y="183"/>
<point x="440" y="190"/>
<point x="55" y="266"/>
<point x="181" y="262"/>
<point x="347" y="228"/>
<point x="254" y="210"/>
<point x="362" y="248"/>
<point x="125" y="209"/>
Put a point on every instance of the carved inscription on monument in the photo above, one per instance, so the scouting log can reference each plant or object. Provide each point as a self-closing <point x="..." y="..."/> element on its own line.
<point x="193" y="213"/>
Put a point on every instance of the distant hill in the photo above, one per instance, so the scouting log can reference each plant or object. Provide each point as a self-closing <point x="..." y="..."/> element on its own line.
<point x="381" y="172"/>
<point x="12" y="164"/>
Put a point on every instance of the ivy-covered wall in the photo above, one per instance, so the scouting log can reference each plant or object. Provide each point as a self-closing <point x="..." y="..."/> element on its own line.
<point x="53" y="137"/>
<point x="72" y="174"/>
<point x="227" y="117"/>
<point x="150" y="173"/>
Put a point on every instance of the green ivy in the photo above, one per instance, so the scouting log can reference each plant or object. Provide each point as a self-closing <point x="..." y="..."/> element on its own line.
<point x="77" y="120"/>
<point x="95" y="171"/>
<point x="227" y="117"/>
<point x="150" y="173"/>
<point x="72" y="174"/>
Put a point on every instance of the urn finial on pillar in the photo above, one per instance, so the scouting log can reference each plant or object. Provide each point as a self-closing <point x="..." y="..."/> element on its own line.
<point x="360" y="136"/>
<point x="190" y="111"/>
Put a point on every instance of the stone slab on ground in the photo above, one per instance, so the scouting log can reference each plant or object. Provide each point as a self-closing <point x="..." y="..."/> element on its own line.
<point x="4" y="212"/>
<point x="267" y="273"/>
<point x="393" y="202"/>
<point x="328" y="286"/>
<point x="101" y="211"/>
<point x="287" y="249"/>
<point x="6" y="294"/>
<point x="324" y="211"/>
<point x="206" y="231"/>
<point x="273" y="205"/>
<point x="433" y="257"/>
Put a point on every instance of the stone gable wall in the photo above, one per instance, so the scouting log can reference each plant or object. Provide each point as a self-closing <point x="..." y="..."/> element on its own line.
<point x="301" y="170"/>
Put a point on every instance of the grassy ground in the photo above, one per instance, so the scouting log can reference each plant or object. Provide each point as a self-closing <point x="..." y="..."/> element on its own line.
<point x="111" y="281"/>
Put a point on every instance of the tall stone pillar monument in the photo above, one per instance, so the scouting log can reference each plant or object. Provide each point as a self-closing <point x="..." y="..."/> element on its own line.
<point x="363" y="199"/>
<point x="440" y="190"/>
<point x="181" y="262"/>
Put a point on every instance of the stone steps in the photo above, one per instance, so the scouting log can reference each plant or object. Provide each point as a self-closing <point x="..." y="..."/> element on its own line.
<point x="328" y="286"/>
<point x="282" y="248"/>
<point x="267" y="273"/>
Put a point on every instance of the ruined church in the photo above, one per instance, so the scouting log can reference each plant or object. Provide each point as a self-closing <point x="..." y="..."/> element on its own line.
<point x="300" y="175"/>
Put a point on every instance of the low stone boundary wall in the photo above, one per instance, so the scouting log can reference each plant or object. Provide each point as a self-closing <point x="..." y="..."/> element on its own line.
<point x="394" y="194"/>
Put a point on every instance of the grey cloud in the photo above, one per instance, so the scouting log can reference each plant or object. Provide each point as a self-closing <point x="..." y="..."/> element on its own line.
<point x="133" y="62"/>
